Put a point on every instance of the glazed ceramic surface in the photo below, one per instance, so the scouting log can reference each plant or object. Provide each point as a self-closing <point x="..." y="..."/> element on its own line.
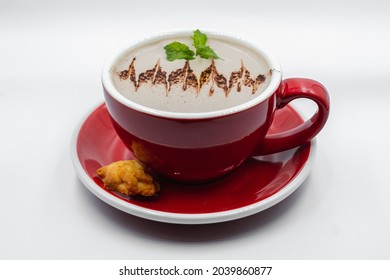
<point x="257" y="184"/>
<point x="199" y="147"/>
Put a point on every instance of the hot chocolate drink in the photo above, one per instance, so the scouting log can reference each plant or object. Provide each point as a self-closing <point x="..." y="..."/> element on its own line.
<point x="145" y="76"/>
<point x="193" y="107"/>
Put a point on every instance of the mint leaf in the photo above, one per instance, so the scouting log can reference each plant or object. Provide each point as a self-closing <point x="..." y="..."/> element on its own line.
<point x="199" y="40"/>
<point x="176" y="50"/>
<point x="206" y="52"/>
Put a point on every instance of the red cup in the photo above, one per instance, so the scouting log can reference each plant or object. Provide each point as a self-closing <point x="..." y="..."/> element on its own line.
<point x="203" y="146"/>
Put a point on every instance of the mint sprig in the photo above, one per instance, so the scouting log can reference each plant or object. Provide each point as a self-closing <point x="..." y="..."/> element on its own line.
<point x="176" y="50"/>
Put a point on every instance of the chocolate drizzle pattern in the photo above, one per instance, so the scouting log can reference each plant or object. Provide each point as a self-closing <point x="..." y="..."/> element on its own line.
<point x="187" y="80"/>
<point x="130" y="73"/>
<point x="211" y="76"/>
<point x="183" y="77"/>
<point x="243" y="78"/>
<point x="154" y="76"/>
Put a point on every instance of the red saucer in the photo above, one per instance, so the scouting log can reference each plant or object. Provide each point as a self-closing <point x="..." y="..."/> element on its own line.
<point x="258" y="184"/>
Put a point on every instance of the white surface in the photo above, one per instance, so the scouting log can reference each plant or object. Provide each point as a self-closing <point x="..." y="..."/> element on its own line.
<point x="51" y="55"/>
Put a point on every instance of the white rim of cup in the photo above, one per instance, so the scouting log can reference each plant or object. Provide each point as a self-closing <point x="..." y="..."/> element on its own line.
<point x="109" y="86"/>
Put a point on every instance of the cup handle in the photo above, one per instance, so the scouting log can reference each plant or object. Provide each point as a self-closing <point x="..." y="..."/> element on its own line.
<point x="289" y="90"/>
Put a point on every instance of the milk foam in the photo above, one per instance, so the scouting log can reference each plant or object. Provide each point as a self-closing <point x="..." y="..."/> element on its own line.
<point x="145" y="76"/>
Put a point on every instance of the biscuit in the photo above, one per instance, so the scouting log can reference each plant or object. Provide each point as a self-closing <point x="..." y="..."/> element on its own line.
<point x="128" y="177"/>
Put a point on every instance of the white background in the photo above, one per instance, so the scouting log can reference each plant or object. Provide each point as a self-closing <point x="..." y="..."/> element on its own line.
<point x="51" y="55"/>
